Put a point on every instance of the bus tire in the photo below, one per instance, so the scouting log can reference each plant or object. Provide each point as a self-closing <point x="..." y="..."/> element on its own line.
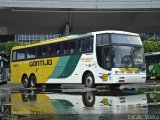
<point x="89" y="80"/>
<point x="33" y="96"/>
<point x="25" y="81"/>
<point x="32" y="80"/>
<point x="88" y="99"/>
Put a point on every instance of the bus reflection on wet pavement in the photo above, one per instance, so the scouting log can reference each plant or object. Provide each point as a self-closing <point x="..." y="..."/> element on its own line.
<point x="137" y="103"/>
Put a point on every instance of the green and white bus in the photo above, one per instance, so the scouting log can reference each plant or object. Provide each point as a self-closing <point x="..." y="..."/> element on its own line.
<point x="153" y="65"/>
<point x="103" y="57"/>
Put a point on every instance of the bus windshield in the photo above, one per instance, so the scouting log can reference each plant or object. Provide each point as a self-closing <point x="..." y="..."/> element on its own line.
<point x="127" y="56"/>
<point x="125" y="39"/>
<point x="119" y="50"/>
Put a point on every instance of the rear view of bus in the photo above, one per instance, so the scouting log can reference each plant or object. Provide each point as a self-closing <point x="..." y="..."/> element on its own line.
<point x="120" y="56"/>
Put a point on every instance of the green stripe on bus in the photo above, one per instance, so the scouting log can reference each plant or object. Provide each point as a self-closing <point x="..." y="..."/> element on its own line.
<point x="71" y="65"/>
<point x="60" y="66"/>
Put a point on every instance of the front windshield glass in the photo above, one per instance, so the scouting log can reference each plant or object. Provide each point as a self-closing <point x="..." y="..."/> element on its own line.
<point x="126" y="39"/>
<point x="127" y="56"/>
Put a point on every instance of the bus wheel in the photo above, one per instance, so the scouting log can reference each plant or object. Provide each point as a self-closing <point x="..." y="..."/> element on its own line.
<point x="89" y="80"/>
<point x="25" y="81"/>
<point x="32" y="81"/>
<point x="88" y="99"/>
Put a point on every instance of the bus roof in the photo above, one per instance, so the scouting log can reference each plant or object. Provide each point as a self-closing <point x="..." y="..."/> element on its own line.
<point x="71" y="37"/>
<point x="152" y="53"/>
<point x="115" y="32"/>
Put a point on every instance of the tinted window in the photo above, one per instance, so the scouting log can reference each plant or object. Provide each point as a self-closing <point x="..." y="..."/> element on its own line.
<point x="89" y="43"/>
<point x="31" y="53"/>
<point x="42" y="51"/>
<point x="83" y="45"/>
<point x="65" y="48"/>
<point x="20" y="54"/>
<point x="58" y="48"/>
<point x="51" y="49"/>
<point x="126" y="39"/>
<point x="73" y="46"/>
<point x="14" y="55"/>
<point x="102" y="40"/>
<point x="79" y="46"/>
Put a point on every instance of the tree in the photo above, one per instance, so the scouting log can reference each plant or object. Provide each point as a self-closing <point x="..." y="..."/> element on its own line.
<point x="151" y="46"/>
<point x="7" y="46"/>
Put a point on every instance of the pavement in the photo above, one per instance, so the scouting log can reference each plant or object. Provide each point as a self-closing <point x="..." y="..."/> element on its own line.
<point x="10" y="86"/>
<point x="15" y="86"/>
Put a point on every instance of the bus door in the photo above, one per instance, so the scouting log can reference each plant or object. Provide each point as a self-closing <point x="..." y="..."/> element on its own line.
<point x="106" y="58"/>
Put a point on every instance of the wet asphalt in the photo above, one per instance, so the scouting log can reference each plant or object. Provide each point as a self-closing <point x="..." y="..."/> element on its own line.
<point x="75" y="102"/>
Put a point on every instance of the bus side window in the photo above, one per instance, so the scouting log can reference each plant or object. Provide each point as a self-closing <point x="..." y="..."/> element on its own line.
<point x="65" y="48"/>
<point x="79" y="46"/>
<point x="39" y="51"/>
<point x="44" y="51"/>
<point x="58" y="48"/>
<point x="83" y="45"/>
<point x="89" y="43"/>
<point x="20" y="54"/>
<point x="51" y="50"/>
<point x="72" y="46"/>
<point x="31" y="53"/>
<point x="14" y="55"/>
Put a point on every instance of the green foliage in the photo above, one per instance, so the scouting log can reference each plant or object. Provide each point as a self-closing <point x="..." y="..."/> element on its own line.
<point x="7" y="46"/>
<point x="151" y="46"/>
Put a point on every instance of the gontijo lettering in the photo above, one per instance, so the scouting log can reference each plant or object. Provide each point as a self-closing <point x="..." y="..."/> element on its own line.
<point x="40" y="63"/>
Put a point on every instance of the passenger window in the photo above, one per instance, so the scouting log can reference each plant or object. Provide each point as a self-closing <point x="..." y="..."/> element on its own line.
<point x="31" y="53"/>
<point x="58" y="48"/>
<point x="42" y="51"/>
<point x="20" y="54"/>
<point x="51" y="49"/>
<point x="83" y="45"/>
<point x="79" y="46"/>
<point x="39" y="51"/>
<point x="89" y="43"/>
<point x="73" y="46"/>
<point x="14" y="55"/>
<point x="65" y="48"/>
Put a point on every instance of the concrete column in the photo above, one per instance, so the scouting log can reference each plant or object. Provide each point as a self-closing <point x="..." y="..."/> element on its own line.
<point x="3" y="30"/>
<point x="67" y="30"/>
